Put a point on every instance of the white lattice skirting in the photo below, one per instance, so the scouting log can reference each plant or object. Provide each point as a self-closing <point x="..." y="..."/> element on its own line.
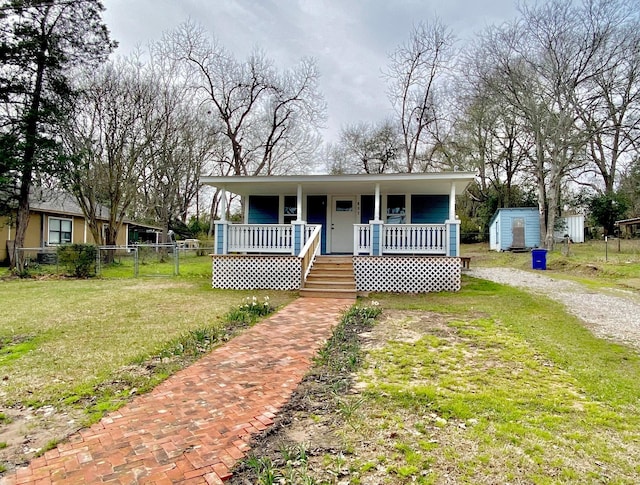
<point x="407" y="274"/>
<point x="256" y="272"/>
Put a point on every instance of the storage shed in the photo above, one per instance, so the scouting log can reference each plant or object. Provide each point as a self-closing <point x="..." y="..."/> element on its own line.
<point x="572" y="226"/>
<point x="514" y="228"/>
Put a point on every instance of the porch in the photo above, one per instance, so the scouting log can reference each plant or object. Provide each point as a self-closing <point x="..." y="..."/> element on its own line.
<point x="399" y="230"/>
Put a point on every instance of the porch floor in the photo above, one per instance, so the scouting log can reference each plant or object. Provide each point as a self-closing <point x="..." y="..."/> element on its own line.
<point x="197" y="424"/>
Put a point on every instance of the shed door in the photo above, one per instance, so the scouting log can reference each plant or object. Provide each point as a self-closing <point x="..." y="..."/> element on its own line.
<point x="343" y="217"/>
<point x="517" y="231"/>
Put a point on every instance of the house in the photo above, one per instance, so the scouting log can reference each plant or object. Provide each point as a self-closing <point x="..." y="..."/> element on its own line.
<point x="56" y="218"/>
<point x="514" y="229"/>
<point x="399" y="231"/>
<point x="629" y="227"/>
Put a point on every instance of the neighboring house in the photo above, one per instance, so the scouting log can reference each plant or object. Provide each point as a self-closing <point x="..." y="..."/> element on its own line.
<point x="56" y="218"/>
<point x="629" y="227"/>
<point x="400" y="231"/>
<point x="514" y="229"/>
<point x="518" y="228"/>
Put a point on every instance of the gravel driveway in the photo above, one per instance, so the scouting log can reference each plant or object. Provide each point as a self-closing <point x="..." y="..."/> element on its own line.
<point x="607" y="315"/>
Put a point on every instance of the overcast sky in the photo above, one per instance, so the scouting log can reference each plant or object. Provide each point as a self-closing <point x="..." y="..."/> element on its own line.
<point x="350" y="39"/>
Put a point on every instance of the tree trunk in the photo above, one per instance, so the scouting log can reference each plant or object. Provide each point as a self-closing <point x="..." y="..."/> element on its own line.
<point x="26" y="180"/>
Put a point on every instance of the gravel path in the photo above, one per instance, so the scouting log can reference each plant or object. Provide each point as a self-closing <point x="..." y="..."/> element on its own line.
<point x="608" y="316"/>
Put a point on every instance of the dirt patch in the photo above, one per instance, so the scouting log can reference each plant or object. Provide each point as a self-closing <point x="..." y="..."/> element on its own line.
<point x="317" y="416"/>
<point x="27" y="431"/>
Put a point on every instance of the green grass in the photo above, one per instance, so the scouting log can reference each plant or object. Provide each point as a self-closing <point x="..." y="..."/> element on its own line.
<point x="500" y="386"/>
<point x="73" y="335"/>
<point x="587" y="263"/>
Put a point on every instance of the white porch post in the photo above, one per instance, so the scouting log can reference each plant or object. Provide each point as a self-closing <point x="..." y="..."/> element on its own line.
<point x="452" y="202"/>
<point x="453" y="226"/>
<point x="299" y="204"/>
<point x="376" y="225"/>
<point x="298" y="225"/>
<point x="223" y="202"/>
<point x="221" y="226"/>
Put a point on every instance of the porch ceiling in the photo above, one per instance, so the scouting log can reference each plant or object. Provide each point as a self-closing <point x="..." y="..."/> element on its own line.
<point x="423" y="183"/>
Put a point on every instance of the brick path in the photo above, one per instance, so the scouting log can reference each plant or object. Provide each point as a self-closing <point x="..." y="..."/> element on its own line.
<point x="193" y="427"/>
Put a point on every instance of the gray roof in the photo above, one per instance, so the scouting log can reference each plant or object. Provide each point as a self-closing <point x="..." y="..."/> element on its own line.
<point x="57" y="202"/>
<point x="63" y="203"/>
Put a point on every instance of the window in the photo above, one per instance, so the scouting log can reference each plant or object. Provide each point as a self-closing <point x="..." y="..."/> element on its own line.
<point x="60" y="231"/>
<point x="344" y="206"/>
<point x="396" y="209"/>
<point x="290" y="208"/>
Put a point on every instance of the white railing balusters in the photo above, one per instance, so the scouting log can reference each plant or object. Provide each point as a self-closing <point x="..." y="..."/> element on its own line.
<point x="260" y="238"/>
<point x="264" y="238"/>
<point x="361" y="239"/>
<point x="414" y="239"/>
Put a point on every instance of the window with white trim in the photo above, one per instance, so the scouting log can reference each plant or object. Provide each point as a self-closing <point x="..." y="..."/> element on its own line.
<point x="60" y="230"/>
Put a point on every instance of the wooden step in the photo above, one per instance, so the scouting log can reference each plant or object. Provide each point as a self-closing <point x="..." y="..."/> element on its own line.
<point x="331" y="277"/>
<point x="328" y="273"/>
<point x="328" y="293"/>
<point x="343" y="285"/>
<point x="334" y="259"/>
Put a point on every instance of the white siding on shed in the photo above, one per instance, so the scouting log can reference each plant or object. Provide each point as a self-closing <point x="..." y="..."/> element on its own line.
<point x="574" y="227"/>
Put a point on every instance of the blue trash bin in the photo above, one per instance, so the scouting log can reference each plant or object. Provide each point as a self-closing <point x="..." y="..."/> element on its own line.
<point x="539" y="259"/>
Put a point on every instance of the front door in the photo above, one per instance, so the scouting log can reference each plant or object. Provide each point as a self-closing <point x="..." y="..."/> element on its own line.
<point x="343" y="217"/>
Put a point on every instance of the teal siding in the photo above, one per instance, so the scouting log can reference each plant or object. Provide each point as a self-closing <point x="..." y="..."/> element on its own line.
<point x="429" y="209"/>
<point x="263" y="209"/>
<point x="453" y="239"/>
<point x="375" y="240"/>
<point x="220" y="237"/>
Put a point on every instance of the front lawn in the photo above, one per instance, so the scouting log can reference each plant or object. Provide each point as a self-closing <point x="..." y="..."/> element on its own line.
<point x="488" y="385"/>
<point x="71" y="350"/>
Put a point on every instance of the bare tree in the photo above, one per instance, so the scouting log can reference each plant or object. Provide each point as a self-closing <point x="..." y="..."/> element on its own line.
<point x="266" y="117"/>
<point x="611" y="112"/>
<point x="414" y="73"/>
<point x="491" y="140"/>
<point x="543" y="66"/>
<point x="107" y="140"/>
<point x="180" y="149"/>
<point x="367" y="148"/>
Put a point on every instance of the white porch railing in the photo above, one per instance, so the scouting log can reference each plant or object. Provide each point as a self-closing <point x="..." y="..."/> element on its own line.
<point x="414" y="238"/>
<point x="361" y="239"/>
<point x="394" y="238"/>
<point x="403" y="239"/>
<point x="310" y="250"/>
<point x="260" y="238"/>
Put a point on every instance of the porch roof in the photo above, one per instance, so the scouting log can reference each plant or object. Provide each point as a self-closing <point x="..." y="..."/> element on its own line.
<point x="438" y="183"/>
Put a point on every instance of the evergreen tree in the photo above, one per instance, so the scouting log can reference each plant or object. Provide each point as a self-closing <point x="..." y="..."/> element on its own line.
<point x="42" y="43"/>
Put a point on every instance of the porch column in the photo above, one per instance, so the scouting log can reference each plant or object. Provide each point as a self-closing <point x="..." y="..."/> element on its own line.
<point x="452" y="202"/>
<point x="298" y="225"/>
<point x="376" y="225"/>
<point x="221" y="243"/>
<point x="223" y="204"/>
<point x="453" y="226"/>
<point x="299" y="204"/>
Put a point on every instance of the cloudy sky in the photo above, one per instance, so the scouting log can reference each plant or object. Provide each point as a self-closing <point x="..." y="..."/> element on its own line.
<point x="350" y="39"/>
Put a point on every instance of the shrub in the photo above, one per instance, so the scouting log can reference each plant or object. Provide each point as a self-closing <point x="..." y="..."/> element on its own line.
<point x="78" y="259"/>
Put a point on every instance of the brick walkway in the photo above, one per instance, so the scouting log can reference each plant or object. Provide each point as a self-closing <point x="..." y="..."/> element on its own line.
<point x="193" y="427"/>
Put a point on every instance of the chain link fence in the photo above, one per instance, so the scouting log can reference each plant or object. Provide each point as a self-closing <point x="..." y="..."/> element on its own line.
<point x="140" y="260"/>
